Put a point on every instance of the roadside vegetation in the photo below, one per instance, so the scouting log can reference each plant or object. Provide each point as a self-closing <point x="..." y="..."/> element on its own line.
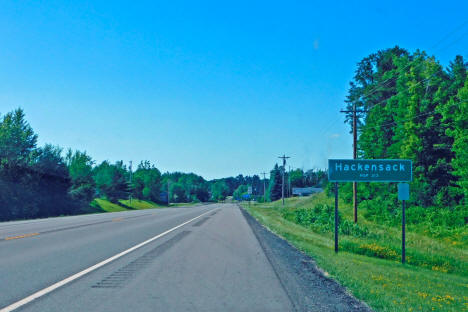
<point x="103" y="205"/>
<point x="38" y="182"/>
<point x="410" y="107"/>
<point x="368" y="263"/>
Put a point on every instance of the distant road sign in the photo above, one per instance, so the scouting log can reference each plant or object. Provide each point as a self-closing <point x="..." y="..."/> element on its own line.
<point x="249" y="190"/>
<point x="370" y="170"/>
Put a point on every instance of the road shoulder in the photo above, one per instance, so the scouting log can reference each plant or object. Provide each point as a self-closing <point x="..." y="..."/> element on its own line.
<point x="306" y="285"/>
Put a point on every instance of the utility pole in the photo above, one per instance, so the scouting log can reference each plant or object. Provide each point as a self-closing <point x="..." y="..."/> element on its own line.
<point x="303" y="177"/>
<point x="284" y="157"/>
<point x="131" y="173"/>
<point x="168" y="192"/>
<point x="354" y="111"/>
<point x="264" y="186"/>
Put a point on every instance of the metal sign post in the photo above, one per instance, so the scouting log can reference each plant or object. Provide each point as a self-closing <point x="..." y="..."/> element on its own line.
<point x="403" y="234"/>
<point x="403" y="195"/>
<point x="372" y="170"/>
<point x="336" y="217"/>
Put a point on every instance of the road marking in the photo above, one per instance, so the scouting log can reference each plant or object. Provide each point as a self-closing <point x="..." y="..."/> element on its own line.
<point x="69" y="279"/>
<point x="72" y="227"/>
<point x="21" y="236"/>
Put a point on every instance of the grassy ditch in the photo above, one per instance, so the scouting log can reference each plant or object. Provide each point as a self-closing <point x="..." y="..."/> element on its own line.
<point x="435" y="278"/>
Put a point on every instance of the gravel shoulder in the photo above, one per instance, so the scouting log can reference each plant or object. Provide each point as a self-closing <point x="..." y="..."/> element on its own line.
<point x="305" y="284"/>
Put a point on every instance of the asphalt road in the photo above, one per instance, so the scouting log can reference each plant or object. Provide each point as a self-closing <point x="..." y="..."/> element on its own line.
<point x="202" y="258"/>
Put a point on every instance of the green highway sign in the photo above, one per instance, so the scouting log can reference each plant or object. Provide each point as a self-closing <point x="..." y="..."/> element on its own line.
<point x="370" y="170"/>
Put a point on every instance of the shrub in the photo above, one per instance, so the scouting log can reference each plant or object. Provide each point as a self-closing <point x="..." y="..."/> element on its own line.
<point x="321" y="218"/>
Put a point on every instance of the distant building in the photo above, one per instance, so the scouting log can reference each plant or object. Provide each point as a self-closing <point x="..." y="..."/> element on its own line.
<point x="305" y="191"/>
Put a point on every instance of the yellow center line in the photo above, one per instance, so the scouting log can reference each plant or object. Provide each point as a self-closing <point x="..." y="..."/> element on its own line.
<point x="34" y="234"/>
<point x="21" y="236"/>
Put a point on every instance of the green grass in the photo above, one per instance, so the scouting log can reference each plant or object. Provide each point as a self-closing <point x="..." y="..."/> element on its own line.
<point x="436" y="278"/>
<point x="103" y="205"/>
<point x="140" y="204"/>
<point x="185" y="204"/>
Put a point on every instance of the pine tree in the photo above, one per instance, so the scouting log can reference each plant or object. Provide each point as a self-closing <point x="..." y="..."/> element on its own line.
<point x="448" y="109"/>
<point x="275" y="186"/>
<point x="460" y="137"/>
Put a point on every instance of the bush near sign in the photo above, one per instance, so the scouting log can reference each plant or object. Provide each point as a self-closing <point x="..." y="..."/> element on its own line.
<point x="370" y="170"/>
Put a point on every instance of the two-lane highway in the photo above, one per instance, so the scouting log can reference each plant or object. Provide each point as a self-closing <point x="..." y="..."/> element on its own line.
<point x="200" y="258"/>
<point x="212" y="263"/>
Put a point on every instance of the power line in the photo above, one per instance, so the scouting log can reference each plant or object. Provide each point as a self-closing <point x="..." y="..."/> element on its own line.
<point x="419" y="82"/>
<point x="451" y="33"/>
<point x="384" y="83"/>
<point x="409" y="87"/>
<point x="460" y="38"/>
<point x="426" y="79"/>
<point x="382" y="101"/>
<point x="375" y="89"/>
<point x="379" y="87"/>
<point x="411" y="118"/>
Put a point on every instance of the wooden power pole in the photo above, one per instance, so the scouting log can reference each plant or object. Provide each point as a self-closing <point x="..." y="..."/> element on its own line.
<point x="264" y="185"/>
<point x="354" y="112"/>
<point x="131" y="187"/>
<point x="284" y="169"/>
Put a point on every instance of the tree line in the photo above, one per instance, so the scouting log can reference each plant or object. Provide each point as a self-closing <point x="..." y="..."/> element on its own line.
<point x="273" y="186"/>
<point x="50" y="181"/>
<point x="411" y="107"/>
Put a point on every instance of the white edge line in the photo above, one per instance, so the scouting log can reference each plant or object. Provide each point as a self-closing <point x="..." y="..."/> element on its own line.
<point x="69" y="279"/>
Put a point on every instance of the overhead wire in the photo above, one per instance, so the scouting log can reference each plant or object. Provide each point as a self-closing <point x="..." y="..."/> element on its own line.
<point x="413" y="117"/>
<point x="383" y="83"/>
<point x="412" y="86"/>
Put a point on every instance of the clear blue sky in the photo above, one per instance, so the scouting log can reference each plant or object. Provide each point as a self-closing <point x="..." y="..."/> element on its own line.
<point x="210" y="87"/>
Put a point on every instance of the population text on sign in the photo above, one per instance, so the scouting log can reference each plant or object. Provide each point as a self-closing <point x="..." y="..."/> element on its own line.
<point x="370" y="170"/>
